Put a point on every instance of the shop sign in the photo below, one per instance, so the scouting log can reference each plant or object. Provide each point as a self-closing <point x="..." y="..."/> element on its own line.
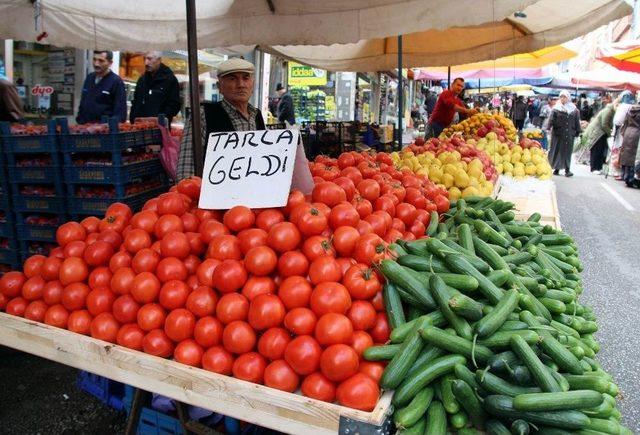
<point x="302" y="75"/>
<point x="41" y="91"/>
<point x="250" y="168"/>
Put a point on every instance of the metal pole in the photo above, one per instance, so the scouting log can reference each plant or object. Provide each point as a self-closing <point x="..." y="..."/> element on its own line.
<point x="194" y="88"/>
<point x="400" y="91"/>
<point x="448" y="76"/>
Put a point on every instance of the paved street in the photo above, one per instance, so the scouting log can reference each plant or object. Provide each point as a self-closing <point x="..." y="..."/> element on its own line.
<point x="603" y="216"/>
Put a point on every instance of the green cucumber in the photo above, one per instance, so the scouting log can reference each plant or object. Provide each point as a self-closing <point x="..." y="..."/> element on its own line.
<point x="433" y="224"/>
<point x="399" y="250"/>
<point x="522" y="376"/>
<point x="496" y="385"/>
<point x="575" y="399"/>
<point x="459" y="421"/>
<point x="538" y="370"/>
<point x="429" y="353"/>
<point x="502" y="339"/>
<point x="409" y="299"/>
<point x="464" y="234"/>
<point x="423" y="264"/>
<point x="405" y="278"/>
<point x="396" y="370"/>
<point x="535" y="217"/>
<point x="490" y="235"/>
<point x="606" y="426"/>
<point x="466" y="307"/>
<point x="399" y="334"/>
<point x="415" y="410"/>
<point x="561" y="295"/>
<point x="507" y="216"/>
<point x="441" y="295"/>
<point x="564" y="329"/>
<point x="587" y="382"/>
<point x="492" y="321"/>
<point x="457" y="345"/>
<point x="460" y="282"/>
<point x="503" y="361"/>
<point x="436" y="419"/>
<point x="556" y="239"/>
<point x="520" y="230"/>
<point x="499" y="249"/>
<point x="520" y="427"/>
<point x="498" y="277"/>
<point x="449" y="401"/>
<point x="428" y="372"/>
<point x="528" y="302"/>
<point x="469" y="401"/>
<point x="485" y="252"/>
<point x="414" y="312"/>
<point x="381" y="353"/>
<point x="416" y="429"/>
<point x="502" y="407"/>
<point x="393" y="306"/>
<point x="564" y="267"/>
<point x="518" y="258"/>
<point x="494" y="427"/>
<point x="459" y="264"/>
<point x="554" y="253"/>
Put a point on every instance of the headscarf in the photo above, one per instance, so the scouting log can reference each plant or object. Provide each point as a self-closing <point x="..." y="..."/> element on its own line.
<point x="568" y="107"/>
<point x="626" y="97"/>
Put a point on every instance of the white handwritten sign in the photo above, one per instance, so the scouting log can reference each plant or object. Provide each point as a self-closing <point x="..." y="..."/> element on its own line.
<point x="250" y="168"/>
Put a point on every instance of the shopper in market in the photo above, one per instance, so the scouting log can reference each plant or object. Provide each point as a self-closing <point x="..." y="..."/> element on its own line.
<point x="448" y="104"/>
<point x="103" y="92"/>
<point x="233" y="113"/>
<point x="157" y="91"/>
<point x="10" y="102"/>
<point x="630" y="133"/>
<point x="597" y="134"/>
<point x="626" y="101"/>
<point x="519" y="112"/>
<point x="285" y="109"/>
<point x="564" y="123"/>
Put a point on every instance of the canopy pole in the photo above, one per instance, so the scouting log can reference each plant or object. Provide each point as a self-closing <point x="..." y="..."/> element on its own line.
<point x="400" y="92"/>
<point x="449" y="76"/>
<point x="194" y="91"/>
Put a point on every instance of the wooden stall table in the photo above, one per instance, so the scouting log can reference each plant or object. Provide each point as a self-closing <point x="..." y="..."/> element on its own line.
<point x="271" y="408"/>
<point x="531" y="195"/>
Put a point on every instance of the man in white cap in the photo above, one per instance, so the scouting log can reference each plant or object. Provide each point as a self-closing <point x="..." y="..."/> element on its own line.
<point x="233" y="113"/>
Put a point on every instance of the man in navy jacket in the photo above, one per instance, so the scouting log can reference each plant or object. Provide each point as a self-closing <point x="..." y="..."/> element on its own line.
<point x="103" y="92"/>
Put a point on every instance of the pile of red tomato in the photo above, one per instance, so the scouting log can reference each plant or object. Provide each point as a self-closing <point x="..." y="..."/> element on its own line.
<point x="287" y="297"/>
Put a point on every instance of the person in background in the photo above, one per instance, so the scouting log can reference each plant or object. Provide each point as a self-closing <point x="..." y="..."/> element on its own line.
<point x="545" y="111"/>
<point x="103" y="92"/>
<point x="534" y="112"/>
<point x="626" y="101"/>
<point x="448" y="104"/>
<point x="430" y="102"/>
<point x="586" y="111"/>
<point x="519" y="112"/>
<point x="630" y="133"/>
<point x="233" y="113"/>
<point x="157" y="91"/>
<point x="10" y="103"/>
<point x="564" y="123"/>
<point x="597" y="134"/>
<point x="285" y="105"/>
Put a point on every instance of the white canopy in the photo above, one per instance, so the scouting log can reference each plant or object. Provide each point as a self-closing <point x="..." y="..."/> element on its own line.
<point x="547" y="23"/>
<point x="161" y="24"/>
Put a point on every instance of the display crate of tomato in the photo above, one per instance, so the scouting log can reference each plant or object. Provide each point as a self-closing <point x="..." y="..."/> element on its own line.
<point x="23" y="138"/>
<point x="38" y="226"/>
<point x="100" y="169"/>
<point x="8" y="250"/>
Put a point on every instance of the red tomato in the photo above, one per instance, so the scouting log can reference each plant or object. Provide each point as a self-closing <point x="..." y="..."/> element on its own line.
<point x="266" y="311"/>
<point x="100" y="277"/>
<point x="324" y="269"/>
<point x="369" y="189"/>
<point x="50" y="268"/>
<point x="360" y="342"/>
<point x="144" y="220"/>
<point x="33" y="265"/>
<point x="386" y="203"/>
<point x="74" y="296"/>
<point x="373" y="369"/>
<point x="418" y="229"/>
<point x="260" y="261"/>
<point x="111" y="236"/>
<point x="378" y="302"/>
<point x="11" y="283"/>
<point x="171" y="268"/>
<point x="362" y="315"/>
<point x="407" y="213"/>
<point x="211" y="228"/>
<point x="333" y="328"/>
<point x="361" y="281"/>
<point x="52" y="292"/>
<point x="224" y="247"/>
<point x="122" y="281"/>
<point x="312" y="222"/>
<point x="179" y="324"/>
<point x="188" y="352"/>
<point x="166" y="224"/>
<point x="150" y="317"/>
<point x="80" y="322"/>
<point x="130" y="336"/>
<point x="205" y="271"/>
<point x="250" y="367"/>
<point x="268" y="218"/>
<point x="105" y="327"/>
<point x="238" y="337"/>
<point x="359" y="392"/>
<point x="125" y="309"/>
<point x="100" y="300"/>
<point x="175" y="244"/>
<point x="216" y="359"/>
<point x="120" y="210"/>
<point x="317" y="386"/>
<point x="362" y="206"/>
<point x="173" y="294"/>
<point x="202" y="301"/>
<point x="330" y="297"/>
<point x="32" y="289"/>
<point x="145" y="287"/>
<point x="294" y="292"/>
<point x="190" y="187"/>
<point x="208" y="332"/>
<point x="442" y="204"/>
<point x="239" y="218"/>
<point x="232" y="307"/>
<point x="69" y="232"/>
<point x="145" y="260"/>
<point x="136" y="240"/>
<point x="56" y="315"/>
<point x="190" y="222"/>
<point x="119" y="260"/>
<point x="380" y="331"/>
<point x="303" y="354"/>
<point x="317" y="246"/>
<point x="281" y="376"/>
<point x="252" y="238"/>
<point x="36" y="311"/>
<point x="283" y="237"/>
<point x="328" y="193"/>
<point x="157" y="343"/>
<point x="196" y="244"/>
<point x="171" y="204"/>
<point x="258" y="285"/>
<point x="90" y="224"/>
<point x="364" y="227"/>
<point x="300" y="321"/>
<point x="346" y="160"/>
<point x="370" y="249"/>
<point x="344" y="240"/>
<point x="339" y="362"/>
<point x="98" y="253"/>
<point x="73" y="270"/>
<point x="229" y="276"/>
<point x="273" y="343"/>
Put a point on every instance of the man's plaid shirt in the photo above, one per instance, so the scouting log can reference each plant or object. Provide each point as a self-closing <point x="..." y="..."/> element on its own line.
<point x="186" y="166"/>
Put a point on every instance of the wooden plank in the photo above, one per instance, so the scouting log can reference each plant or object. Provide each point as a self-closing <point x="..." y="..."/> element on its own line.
<point x="286" y="412"/>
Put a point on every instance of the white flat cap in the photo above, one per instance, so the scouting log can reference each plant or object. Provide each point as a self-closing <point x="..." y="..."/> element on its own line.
<point x="235" y="64"/>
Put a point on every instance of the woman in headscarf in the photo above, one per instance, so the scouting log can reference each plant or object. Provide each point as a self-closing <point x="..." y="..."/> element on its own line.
<point x="630" y="133"/>
<point x="598" y="132"/>
<point x="564" y="123"/>
<point x="626" y="101"/>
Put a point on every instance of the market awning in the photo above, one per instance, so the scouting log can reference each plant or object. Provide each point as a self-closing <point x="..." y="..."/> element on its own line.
<point x="624" y="55"/>
<point x="546" y="23"/>
<point x="607" y="77"/>
<point x="161" y="24"/>
<point x="498" y="74"/>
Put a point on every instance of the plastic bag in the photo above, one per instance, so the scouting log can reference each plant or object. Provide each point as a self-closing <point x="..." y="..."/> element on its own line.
<point x="169" y="152"/>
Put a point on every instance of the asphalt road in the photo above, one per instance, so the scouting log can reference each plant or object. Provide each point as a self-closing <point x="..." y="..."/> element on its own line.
<point x="603" y="216"/>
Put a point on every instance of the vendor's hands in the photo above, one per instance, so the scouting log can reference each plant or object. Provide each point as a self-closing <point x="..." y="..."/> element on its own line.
<point x="472" y="111"/>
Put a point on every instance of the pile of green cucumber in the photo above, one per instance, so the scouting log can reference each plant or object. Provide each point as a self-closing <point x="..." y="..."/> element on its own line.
<point x="488" y="335"/>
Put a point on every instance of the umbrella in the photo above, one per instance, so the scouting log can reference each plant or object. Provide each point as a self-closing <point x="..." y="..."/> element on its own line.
<point x="624" y="55"/>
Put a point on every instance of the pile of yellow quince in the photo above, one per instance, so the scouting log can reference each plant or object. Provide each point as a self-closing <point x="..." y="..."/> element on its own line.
<point x="447" y="170"/>
<point x="480" y="124"/>
<point x="533" y="133"/>
<point x="516" y="161"/>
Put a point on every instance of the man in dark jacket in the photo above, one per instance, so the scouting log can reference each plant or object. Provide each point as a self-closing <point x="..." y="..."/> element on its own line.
<point x="157" y="90"/>
<point x="519" y="112"/>
<point x="285" y="105"/>
<point x="103" y="92"/>
<point x="233" y="113"/>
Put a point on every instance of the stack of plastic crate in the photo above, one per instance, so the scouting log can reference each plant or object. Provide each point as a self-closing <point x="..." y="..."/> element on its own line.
<point x="111" y="166"/>
<point x="8" y="255"/>
<point x="34" y="172"/>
